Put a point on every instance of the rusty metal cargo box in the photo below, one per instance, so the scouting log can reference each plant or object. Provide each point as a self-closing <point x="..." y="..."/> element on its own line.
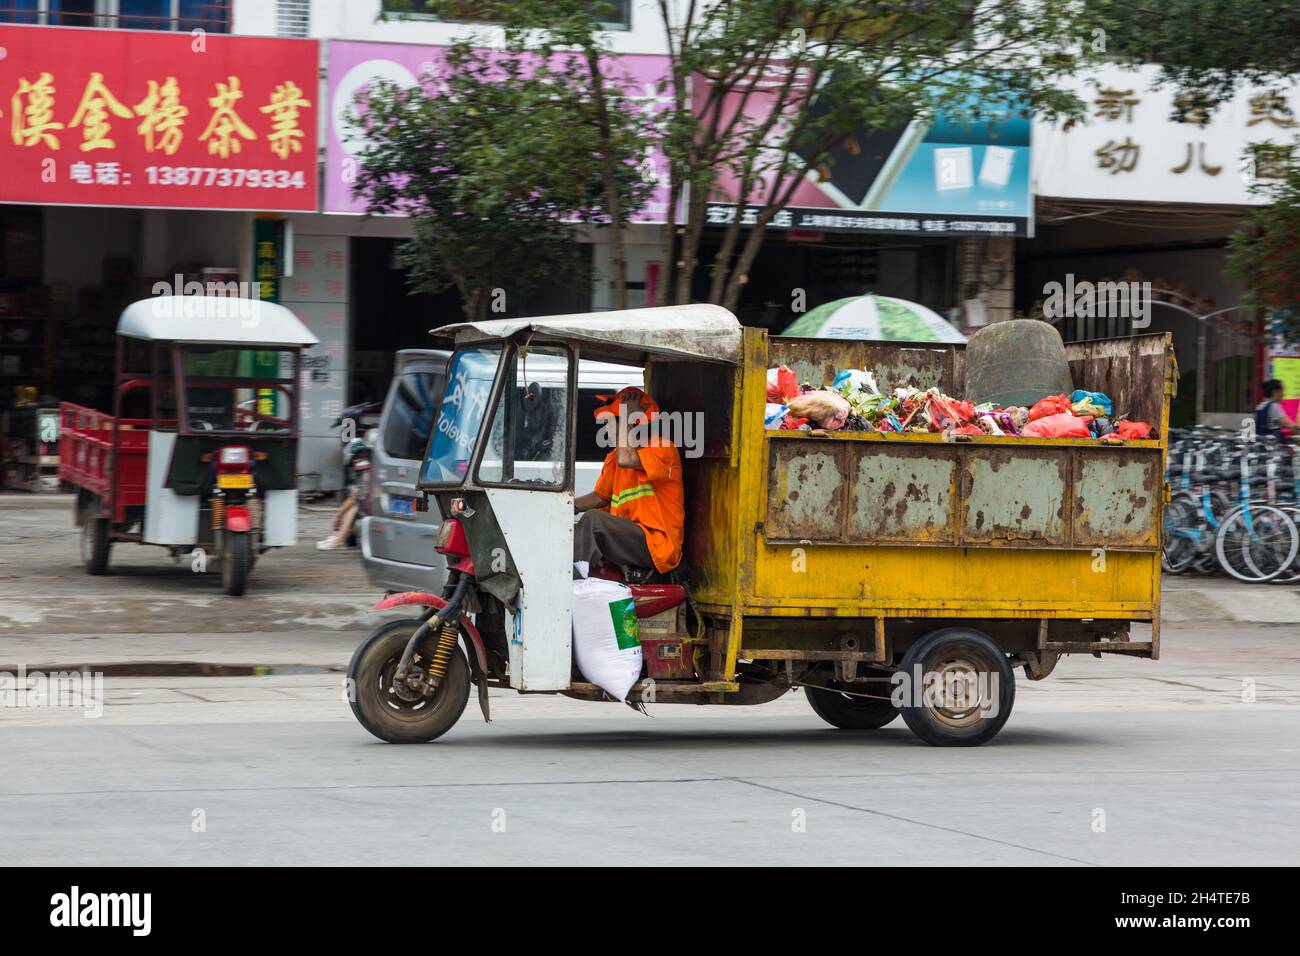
<point x="899" y="526"/>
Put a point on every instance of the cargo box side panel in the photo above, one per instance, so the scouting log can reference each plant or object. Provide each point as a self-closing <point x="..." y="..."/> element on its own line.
<point x="1116" y="498"/>
<point x="1016" y="496"/>
<point x="902" y="495"/>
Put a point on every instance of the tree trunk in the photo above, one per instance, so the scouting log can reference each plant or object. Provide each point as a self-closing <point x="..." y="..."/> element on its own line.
<point x="609" y="180"/>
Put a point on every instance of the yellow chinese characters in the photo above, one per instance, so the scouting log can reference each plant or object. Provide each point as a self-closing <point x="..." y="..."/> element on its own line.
<point x="225" y="127"/>
<point x="92" y="114"/>
<point x="163" y="116"/>
<point x="284" y="110"/>
<point x="32" y="113"/>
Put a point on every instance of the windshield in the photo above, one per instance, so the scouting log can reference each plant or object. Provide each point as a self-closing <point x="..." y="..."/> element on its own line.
<point x="237" y="390"/>
<point x="528" y="443"/>
<point x="460" y="416"/>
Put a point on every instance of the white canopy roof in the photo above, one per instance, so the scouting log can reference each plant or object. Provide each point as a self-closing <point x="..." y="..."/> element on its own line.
<point x="213" y="320"/>
<point x="701" y="332"/>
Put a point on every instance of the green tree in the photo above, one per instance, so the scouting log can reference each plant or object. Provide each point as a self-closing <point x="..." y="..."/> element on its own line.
<point x="1207" y="48"/>
<point x="490" y="159"/>
<point x="1265" y="255"/>
<point x="572" y="54"/>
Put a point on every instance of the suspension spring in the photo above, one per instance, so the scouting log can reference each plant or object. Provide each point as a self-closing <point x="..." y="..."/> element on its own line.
<point x="218" y="513"/>
<point x="441" y="659"/>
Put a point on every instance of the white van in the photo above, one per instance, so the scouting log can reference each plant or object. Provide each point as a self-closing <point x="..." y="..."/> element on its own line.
<point x="396" y="540"/>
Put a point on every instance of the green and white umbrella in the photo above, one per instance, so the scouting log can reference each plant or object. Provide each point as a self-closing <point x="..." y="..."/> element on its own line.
<point x="875" y="317"/>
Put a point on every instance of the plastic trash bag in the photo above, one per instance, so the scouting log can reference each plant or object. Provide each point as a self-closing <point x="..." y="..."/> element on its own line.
<point x="1096" y="404"/>
<point x="824" y="409"/>
<point x="1133" y="431"/>
<point x="1060" y="425"/>
<point x="781" y="384"/>
<point x="1051" y="405"/>
<point x="605" y="640"/>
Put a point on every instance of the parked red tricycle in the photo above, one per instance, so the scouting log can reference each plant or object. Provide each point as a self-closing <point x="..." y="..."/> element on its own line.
<point x="199" y="455"/>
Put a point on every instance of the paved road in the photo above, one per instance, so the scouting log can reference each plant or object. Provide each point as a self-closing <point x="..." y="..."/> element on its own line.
<point x="1107" y="762"/>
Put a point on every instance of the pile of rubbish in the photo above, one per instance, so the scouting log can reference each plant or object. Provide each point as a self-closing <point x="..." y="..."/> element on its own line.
<point x="854" y="402"/>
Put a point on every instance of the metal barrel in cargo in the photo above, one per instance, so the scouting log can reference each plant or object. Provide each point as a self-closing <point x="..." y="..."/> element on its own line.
<point x="1016" y="362"/>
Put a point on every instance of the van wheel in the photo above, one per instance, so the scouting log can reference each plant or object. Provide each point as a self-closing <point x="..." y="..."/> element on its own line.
<point x="95" y="542"/>
<point x="849" y="712"/>
<point x="391" y="713"/>
<point x="967" y="688"/>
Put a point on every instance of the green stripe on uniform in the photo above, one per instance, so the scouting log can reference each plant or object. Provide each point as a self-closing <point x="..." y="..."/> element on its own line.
<point x="631" y="494"/>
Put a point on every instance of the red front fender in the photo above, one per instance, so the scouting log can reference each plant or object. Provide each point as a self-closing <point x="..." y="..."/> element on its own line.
<point x="424" y="599"/>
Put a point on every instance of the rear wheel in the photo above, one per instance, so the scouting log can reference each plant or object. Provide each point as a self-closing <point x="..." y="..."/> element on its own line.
<point x="966" y="690"/>
<point x="852" y="712"/>
<point x="393" y="712"/>
<point x="236" y="562"/>
<point x="95" y="542"/>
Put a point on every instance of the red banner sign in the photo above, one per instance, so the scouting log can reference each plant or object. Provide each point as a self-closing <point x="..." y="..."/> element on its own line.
<point x="133" y="118"/>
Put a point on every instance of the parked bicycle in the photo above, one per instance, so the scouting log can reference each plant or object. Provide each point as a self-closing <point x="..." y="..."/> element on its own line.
<point x="1235" y="507"/>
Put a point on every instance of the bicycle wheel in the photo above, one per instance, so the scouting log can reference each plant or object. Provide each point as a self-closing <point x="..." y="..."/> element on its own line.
<point x="1182" y="531"/>
<point x="1291" y="573"/>
<point x="1261" y="550"/>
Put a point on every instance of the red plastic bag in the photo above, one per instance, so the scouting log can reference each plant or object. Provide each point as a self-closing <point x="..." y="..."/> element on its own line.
<point x="1061" y="425"/>
<point x="1051" y="405"/>
<point x="968" y="430"/>
<point x="1130" y="431"/>
<point x="948" y="412"/>
<point x="781" y="385"/>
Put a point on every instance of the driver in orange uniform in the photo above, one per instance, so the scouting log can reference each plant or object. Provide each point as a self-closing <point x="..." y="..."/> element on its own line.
<point x="636" y="516"/>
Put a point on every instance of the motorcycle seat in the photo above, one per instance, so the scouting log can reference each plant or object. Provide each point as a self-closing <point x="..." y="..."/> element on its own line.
<point x="652" y="599"/>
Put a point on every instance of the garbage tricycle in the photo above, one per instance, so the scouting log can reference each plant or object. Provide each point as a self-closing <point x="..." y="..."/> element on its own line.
<point x="200" y="453"/>
<point x="884" y="574"/>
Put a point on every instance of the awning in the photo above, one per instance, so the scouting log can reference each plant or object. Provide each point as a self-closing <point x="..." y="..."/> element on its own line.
<point x="213" y="320"/>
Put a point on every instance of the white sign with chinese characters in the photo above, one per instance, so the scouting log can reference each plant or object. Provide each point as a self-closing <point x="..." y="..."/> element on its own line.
<point x="1133" y="148"/>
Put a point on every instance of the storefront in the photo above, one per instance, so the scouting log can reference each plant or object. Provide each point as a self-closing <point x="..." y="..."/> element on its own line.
<point x="131" y="165"/>
<point x="1135" y="196"/>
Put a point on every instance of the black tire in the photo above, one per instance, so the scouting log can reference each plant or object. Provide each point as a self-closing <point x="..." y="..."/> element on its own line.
<point x="853" y="713"/>
<point x="236" y="562"/>
<point x="386" y="713"/>
<point x="958" y="652"/>
<point x="95" y="542"/>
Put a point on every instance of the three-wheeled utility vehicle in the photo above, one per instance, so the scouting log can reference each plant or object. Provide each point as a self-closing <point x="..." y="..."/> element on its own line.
<point x="883" y="574"/>
<point x="200" y="453"/>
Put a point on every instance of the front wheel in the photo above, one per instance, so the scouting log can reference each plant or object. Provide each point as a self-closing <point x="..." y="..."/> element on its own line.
<point x="959" y="688"/>
<point x="852" y="711"/>
<point x="394" y="713"/>
<point x="236" y="562"/>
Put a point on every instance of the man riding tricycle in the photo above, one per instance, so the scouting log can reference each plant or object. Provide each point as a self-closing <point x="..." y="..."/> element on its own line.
<point x="885" y="574"/>
<point x="200" y="453"/>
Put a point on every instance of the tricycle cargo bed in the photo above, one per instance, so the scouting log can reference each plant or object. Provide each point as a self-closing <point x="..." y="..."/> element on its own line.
<point x="873" y="525"/>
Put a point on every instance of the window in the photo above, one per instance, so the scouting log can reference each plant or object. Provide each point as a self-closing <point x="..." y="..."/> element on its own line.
<point x="184" y="15"/>
<point x="528" y="443"/>
<point x="237" y="390"/>
<point x="612" y="14"/>
<point x="410" y="414"/>
<point x="460" y="415"/>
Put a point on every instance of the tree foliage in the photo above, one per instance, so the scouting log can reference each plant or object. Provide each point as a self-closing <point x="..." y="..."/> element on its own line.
<point x="1265" y="256"/>
<point x="489" y="157"/>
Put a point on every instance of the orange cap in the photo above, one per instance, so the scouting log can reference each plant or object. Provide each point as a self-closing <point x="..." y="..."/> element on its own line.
<point x="638" y="397"/>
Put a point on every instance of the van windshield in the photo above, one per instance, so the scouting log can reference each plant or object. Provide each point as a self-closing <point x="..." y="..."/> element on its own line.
<point x="460" y="416"/>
